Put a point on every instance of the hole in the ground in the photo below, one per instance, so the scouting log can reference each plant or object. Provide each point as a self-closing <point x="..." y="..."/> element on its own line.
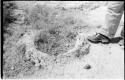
<point x="55" y="41"/>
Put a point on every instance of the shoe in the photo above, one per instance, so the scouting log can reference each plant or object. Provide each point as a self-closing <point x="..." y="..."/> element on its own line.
<point x="99" y="38"/>
<point x="121" y="42"/>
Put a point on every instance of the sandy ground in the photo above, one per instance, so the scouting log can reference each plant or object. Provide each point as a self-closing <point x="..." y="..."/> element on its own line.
<point x="106" y="60"/>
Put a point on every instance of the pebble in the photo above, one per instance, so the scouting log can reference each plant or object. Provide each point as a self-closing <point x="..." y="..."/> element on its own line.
<point x="87" y="66"/>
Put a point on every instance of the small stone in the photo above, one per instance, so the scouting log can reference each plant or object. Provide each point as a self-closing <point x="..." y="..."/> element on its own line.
<point x="87" y="66"/>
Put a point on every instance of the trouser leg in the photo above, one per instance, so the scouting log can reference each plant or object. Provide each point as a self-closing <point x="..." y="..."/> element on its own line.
<point x="122" y="33"/>
<point x="112" y="18"/>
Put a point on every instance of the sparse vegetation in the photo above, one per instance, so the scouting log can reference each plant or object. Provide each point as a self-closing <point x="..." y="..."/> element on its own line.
<point x="52" y="39"/>
<point x="56" y="35"/>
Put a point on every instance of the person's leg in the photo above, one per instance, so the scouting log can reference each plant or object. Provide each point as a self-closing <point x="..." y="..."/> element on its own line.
<point x="113" y="17"/>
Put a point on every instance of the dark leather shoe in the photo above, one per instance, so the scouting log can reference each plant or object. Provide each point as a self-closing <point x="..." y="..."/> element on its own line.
<point x="121" y="42"/>
<point x="99" y="38"/>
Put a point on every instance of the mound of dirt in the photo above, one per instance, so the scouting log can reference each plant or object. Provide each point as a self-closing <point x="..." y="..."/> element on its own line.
<point x="44" y="38"/>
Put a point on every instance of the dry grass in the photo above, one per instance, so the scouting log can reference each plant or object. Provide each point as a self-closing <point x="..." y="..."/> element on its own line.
<point x="57" y="36"/>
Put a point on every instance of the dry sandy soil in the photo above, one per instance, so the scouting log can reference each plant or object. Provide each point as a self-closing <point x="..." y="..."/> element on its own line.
<point x="106" y="60"/>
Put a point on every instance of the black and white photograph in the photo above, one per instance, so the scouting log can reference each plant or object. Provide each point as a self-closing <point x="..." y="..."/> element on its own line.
<point x="62" y="40"/>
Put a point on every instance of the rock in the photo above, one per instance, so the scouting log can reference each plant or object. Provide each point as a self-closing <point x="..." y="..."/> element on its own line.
<point x="87" y="66"/>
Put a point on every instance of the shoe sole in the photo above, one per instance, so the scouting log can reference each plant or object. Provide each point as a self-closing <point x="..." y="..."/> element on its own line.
<point x="99" y="42"/>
